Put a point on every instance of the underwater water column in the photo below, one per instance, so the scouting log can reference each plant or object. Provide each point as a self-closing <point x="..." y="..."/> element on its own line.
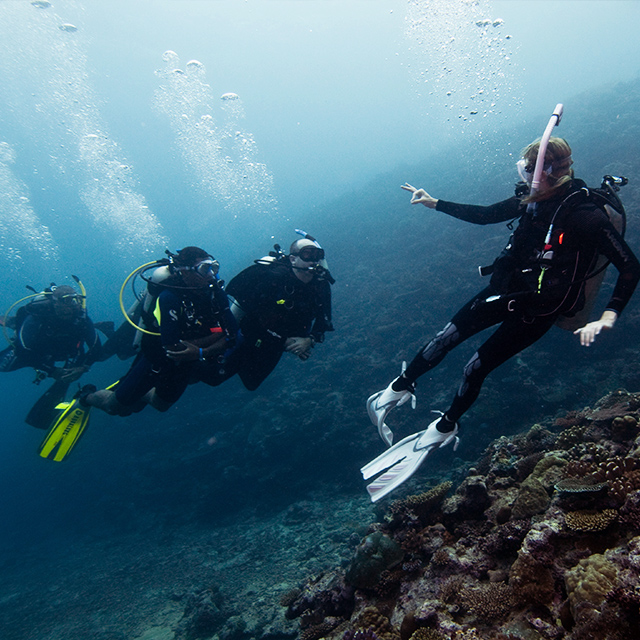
<point x="221" y="155"/>
<point x="21" y="231"/>
<point x="48" y="91"/>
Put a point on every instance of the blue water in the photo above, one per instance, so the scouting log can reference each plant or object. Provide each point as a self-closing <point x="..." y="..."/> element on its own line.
<point x="116" y="143"/>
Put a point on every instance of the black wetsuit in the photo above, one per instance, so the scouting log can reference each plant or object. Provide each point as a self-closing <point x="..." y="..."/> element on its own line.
<point x="43" y="338"/>
<point x="276" y="305"/>
<point x="184" y="315"/>
<point x="525" y="303"/>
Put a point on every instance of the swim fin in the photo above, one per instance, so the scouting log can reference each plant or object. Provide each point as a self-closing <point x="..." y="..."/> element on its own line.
<point x="44" y="409"/>
<point x="402" y="460"/>
<point x="65" y="430"/>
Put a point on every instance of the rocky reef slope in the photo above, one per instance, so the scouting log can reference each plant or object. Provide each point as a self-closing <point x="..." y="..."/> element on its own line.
<point x="540" y="541"/>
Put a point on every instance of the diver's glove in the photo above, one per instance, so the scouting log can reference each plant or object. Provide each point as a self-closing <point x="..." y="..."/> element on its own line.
<point x="380" y="404"/>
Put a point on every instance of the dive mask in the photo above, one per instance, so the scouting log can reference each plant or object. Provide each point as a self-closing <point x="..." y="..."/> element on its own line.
<point x="310" y="254"/>
<point x="208" y="269"/>
<point x="525" y="170"/>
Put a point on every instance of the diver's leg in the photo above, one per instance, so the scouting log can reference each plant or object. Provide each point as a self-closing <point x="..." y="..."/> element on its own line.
<point x="127" y="397"/>
<point x="513" y="336"/>
<point x="170" y="384"/>
<point x="473" y="317"/>
<point x="159" y="404"/>
<point x="258" y="365"/>
<point x="106" y="400"/>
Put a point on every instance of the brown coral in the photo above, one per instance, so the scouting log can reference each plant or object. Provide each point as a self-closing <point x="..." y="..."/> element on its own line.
<point x="570" y="437"/>
<point x="451" y="588"/>
<point x="590" y="520"/>
<point x="624" y="428"/>
<point x="389" y="583"/>
<point x="443" y="557"/>
<point x="589" y="581"/>
<point x="426" y="634"/>
<point x="622" y="475"/>
<point x="489" y="601"/>
<point x="420" y="504"/>
<point x="571" y="419"/>
<point x="531" y="581"/>
<point x="288" y="598"/>
<point x="532" y="498"/>
<point x="320" y="630"/>
<point x="581" y="469"/>
<point x="371" y="618"/>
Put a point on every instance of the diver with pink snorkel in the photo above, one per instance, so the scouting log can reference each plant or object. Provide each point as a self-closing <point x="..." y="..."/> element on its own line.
<point x="547" y="274"/>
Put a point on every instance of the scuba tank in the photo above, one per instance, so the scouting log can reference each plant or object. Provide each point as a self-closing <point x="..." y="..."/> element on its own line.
<point x="606" y="198"/>
<point x="141" y="314"/>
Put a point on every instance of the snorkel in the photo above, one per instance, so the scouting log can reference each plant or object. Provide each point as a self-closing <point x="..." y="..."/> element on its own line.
<point x="308" y="236"/>
<point x="554" y="121"/>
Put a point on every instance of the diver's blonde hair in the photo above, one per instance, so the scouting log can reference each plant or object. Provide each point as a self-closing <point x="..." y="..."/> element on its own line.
<point x="558" y="155"/>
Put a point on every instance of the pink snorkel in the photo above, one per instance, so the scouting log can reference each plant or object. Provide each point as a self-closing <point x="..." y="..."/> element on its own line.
<point x="554" y="121"/>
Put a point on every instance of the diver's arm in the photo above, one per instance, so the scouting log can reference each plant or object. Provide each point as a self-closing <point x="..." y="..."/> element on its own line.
<point x="613" y="246"/>
<point x="491" y="214"/>
<point x="476" y="214"/>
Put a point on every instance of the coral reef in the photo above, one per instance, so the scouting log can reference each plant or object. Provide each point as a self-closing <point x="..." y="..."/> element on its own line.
<point x="536" y="541"/>
<point x="590" y="581"/>
<point x="375" y="554"/>
<point x="590" y="520"/>
<point x="418" y="507"/>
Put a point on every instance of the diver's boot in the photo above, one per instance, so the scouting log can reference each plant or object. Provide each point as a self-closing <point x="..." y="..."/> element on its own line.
<point x="435" y="438"/>
<point x="380" y="404"/>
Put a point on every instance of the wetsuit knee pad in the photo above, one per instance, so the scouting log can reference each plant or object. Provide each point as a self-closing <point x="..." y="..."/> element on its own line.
<point x="472" y="378"/>
<point x="444" y="341"/>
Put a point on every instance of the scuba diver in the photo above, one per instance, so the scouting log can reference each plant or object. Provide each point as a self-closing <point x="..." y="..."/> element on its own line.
<point x="52" y="328"/>
<point x="540" y="277"/>
<point x="186" y="319"/>
<point x="282" y="303"/>
<point x="193" y="322"/>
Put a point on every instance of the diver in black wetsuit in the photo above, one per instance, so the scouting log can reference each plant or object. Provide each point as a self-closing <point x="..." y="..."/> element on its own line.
<point x="282" y="304"/>
<point x="51" y="328"/>
<point x="540" y="276"/>
<point x="192" y="322"/>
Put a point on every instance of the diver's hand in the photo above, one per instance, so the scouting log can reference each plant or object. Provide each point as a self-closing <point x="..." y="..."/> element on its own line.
<point x="68" y="374"/>
<point x="420" y="196"/>
<point x="300" y="347"/>
<point x="187" y="353"/>
<point x="589" y="332"/>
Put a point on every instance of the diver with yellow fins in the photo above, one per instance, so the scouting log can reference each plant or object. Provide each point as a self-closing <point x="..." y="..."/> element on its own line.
<point x="182" y="319"/>
<point x="52" y="334"/>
